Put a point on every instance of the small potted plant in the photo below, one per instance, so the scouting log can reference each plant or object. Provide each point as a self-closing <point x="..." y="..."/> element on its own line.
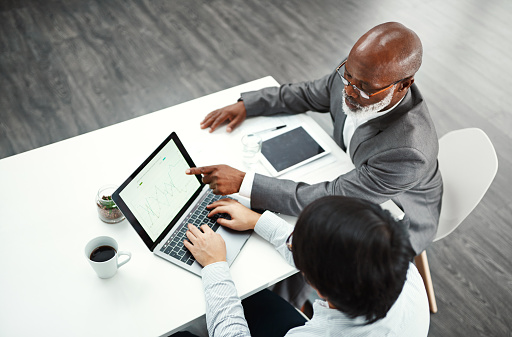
<point x="107" y="208"/>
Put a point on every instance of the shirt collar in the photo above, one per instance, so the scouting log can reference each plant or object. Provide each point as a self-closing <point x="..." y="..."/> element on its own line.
<point x="322" y="309"/>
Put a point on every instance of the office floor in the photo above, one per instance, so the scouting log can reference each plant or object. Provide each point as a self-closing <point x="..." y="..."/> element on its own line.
<point x="70" y="67"/>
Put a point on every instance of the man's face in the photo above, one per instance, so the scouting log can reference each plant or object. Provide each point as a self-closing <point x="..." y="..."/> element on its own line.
<point x="355" y="110"/>
<point x="370" y="89"/>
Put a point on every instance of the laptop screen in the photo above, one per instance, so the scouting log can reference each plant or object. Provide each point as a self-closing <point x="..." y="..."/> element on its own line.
<point x="159" y="191"/>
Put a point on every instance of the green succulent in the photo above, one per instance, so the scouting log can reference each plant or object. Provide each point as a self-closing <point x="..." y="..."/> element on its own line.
<point x="107" y="202"/>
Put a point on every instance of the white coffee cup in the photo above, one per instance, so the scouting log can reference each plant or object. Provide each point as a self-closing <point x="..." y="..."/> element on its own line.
<point x="106" y="263"/>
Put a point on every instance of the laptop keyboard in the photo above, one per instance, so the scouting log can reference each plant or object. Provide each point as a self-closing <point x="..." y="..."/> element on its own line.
<point x="199" y="216"/>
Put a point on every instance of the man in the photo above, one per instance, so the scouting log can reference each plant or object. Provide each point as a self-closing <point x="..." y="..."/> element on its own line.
<point x="380" y="120"/>
<point x="351" y="252"/>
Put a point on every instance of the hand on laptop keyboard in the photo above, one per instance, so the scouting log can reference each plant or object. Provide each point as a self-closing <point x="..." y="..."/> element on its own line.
<point x="174" y="246"/>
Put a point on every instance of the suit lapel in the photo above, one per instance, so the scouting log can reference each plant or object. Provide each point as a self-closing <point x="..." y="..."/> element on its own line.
<point x="362" y="134"/>
<point x="342" y="139"/>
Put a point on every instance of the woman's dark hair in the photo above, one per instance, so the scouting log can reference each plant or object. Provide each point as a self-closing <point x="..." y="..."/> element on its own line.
<point x="354" y="253"/>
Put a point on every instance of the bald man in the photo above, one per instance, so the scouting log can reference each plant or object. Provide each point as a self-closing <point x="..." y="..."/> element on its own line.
<point x="380" y="119"/>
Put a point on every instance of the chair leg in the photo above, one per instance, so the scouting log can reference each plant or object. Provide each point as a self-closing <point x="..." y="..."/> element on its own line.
<point x="422" y="265"/>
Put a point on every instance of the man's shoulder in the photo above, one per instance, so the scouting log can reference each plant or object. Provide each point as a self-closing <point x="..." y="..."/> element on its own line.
<point x="412" y="110"/>
<point x="413" y="102"/>
<point x="415" y="91"/>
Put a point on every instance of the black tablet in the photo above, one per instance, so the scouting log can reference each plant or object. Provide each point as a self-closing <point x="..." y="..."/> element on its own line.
<point x="289" y="149"/>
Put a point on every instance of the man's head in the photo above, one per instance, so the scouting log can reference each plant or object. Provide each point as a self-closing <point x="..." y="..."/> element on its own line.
<point x="382" y="63"/>
<point x="353" y="253"/>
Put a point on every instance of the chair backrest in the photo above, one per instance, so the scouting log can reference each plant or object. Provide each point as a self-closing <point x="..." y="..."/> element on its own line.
<point x="468" y="165"/>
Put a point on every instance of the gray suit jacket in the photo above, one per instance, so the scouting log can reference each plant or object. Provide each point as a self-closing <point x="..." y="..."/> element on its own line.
<point x="395" y="156"/>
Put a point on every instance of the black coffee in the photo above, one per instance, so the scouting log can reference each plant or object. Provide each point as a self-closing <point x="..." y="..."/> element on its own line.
<point x="102" y="254"/>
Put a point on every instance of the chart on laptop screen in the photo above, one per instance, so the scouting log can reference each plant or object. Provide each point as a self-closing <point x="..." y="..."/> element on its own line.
<point x="160" y="190"/>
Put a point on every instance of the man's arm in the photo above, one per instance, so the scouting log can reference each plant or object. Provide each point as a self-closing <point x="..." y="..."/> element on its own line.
<point x="287" y="99"/>
<point x="383" y="177"/>
<point x="276" y="231"/>
<point x="224" y="311"/>
<point x="290" y="98"/>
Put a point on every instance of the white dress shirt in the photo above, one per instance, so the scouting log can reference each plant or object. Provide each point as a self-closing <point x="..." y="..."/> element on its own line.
<point x="409" y="315"/>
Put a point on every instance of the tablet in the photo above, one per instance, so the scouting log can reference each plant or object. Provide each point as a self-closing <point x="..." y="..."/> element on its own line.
<point x="290" y="149"/>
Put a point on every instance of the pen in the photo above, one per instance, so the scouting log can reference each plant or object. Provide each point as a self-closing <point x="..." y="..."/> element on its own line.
<point x="268" y="130"/>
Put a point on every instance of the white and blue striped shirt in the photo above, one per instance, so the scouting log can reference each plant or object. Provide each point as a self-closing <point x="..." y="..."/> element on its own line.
<point x="409" y="316"/>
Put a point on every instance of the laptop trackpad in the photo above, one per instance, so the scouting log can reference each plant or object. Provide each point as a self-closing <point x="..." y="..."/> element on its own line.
<point x="234" y="242"/>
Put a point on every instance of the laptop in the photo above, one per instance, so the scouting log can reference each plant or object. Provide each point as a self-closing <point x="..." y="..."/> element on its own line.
<point x="159" y="200"/>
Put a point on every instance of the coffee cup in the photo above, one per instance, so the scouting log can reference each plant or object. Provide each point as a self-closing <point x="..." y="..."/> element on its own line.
<point x="103" y="256"/>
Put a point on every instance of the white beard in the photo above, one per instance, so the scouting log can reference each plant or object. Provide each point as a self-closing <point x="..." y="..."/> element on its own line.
<point x="369" y="110"/>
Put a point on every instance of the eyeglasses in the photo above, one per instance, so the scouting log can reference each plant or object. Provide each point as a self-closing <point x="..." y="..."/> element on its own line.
<point x="289" y="242"/>
<point x="362" y="93"/>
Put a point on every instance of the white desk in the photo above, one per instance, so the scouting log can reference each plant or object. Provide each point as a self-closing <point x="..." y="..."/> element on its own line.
<point x="48" y="214"/>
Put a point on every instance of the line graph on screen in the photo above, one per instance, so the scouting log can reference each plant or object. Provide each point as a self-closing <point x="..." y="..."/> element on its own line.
<point x="160" y="190"/>
<point x="163" y="197"/>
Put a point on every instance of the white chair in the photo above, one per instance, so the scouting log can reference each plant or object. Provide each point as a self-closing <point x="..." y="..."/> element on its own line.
<point x="468" y="165"/>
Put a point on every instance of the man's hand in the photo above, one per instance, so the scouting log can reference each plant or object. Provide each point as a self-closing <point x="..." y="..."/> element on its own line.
<point x="223" y="179"/>
<point x="234" y="113"/>
<point x="207" y="246"/>
<point x="242" y="218"/>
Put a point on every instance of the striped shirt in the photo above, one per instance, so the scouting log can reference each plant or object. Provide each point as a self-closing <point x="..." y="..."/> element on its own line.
<point x="409" y="315"/>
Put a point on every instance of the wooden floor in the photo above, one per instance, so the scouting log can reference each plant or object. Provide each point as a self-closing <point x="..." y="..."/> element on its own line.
<point x="70" y="67"/>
